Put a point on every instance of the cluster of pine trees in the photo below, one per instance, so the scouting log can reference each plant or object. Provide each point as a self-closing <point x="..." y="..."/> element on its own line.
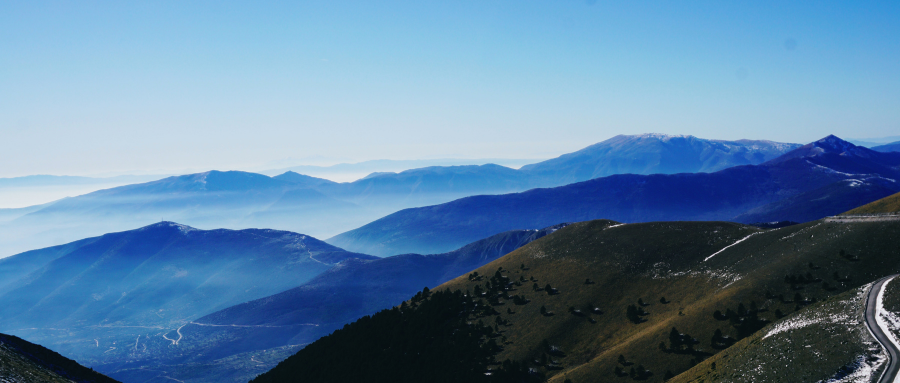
<point x="436" y="337"/>
<point x="746" y="321"/>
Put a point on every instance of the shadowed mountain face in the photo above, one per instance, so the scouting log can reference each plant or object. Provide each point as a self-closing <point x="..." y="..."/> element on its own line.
<point x="159" y="327"/>
<point x="822" y="168"/>
<point x="25" y="362"/>
<point x="655" y="154"/>
<point x="359" y="287"/>
<point x="158" y="275"/>
<point x="322" y="208"/>
<point x="827" y="200"/>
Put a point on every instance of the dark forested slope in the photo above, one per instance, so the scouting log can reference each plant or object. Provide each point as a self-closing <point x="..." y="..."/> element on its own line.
<point x="25" y="362"/>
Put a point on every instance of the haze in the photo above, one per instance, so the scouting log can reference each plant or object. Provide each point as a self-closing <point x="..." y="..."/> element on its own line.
<point x="165" y="87"/>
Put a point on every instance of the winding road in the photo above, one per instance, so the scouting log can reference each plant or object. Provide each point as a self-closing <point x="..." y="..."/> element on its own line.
<point x="879" y="330"/>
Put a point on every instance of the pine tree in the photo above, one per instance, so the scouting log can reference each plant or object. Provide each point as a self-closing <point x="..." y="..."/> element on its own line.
<point x="631" y="314"/>
<point x="675" y="339"/>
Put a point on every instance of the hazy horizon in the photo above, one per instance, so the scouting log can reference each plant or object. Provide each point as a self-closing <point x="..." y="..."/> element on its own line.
<point x="113" y="87"/>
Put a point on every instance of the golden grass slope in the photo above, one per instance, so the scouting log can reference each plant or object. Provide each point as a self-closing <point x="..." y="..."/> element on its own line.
<point x="889" y="204"/>
<point x="699" y="267"/>
<point x="828" y="340"/>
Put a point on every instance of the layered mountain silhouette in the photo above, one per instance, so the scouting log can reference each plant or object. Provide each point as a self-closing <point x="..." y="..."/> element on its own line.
<point x="844" y="174"/>
<point x="360" y="287"/>
<point x="160" y="295"/>
<point x="158" y="275"/>
<point x="323" y="208"/>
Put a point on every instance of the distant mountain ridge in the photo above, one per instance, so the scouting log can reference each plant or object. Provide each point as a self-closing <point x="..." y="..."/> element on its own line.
<point x="375" y="284"/>
<point x="323" y="208"/>
<point x="892" y="147"/>
<point x="747" y="193"/>
<point x="656" y="154"/>
<point x="127" y="295"/>
<point x="127" y="301"/>
<point x="156" y="275"/>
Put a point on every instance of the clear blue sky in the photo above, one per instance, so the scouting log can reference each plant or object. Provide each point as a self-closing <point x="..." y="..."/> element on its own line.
<point x="91" y="87"/>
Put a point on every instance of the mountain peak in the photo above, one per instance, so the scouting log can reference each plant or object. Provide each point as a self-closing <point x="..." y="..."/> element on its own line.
<point x="828" y="145"/>
<point x="833" y="144"/>
<point x="659" y="136"/>
<point x="169" y="225"/>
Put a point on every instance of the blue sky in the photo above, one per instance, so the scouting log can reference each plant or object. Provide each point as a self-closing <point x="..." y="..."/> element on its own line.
<point x="102" y="87"/>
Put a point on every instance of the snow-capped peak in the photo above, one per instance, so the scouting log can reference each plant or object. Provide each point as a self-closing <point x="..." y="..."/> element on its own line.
<point x="660" y="136"/>
<point x="834" y="144"/>
<point x="170" y="224"/>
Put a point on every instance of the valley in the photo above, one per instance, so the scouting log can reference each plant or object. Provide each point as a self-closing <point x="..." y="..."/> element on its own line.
<point x="449" y="192"/>
<point x="566" y="302"/>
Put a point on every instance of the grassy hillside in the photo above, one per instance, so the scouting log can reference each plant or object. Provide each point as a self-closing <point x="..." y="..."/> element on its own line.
<point x="889" y="204"/>
<point x="24" y="362"/>
<point x="655" y="260"/>
<point x="597" y="301"/>
<point x="794" y="349"/>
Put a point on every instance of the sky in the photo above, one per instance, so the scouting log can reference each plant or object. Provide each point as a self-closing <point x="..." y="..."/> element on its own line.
<point x="94" y="87"/>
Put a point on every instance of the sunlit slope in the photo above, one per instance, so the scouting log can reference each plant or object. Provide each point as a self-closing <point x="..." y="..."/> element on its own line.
<point x="827" y="341"/>
<point x="672" y="260"/>
<point x="889" y="204"/>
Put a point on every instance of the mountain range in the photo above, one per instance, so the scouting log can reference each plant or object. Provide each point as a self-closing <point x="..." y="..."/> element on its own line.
<point x="158" y="276"/>
<point x="793" y="187"/>
<point x="279" y="323"/>
<point x="323" y="208"/>
<point x="169" y="301"/>
<point x="168" y="294"/>
<point x="654" y="154"/>
<point x="354" y="171"/>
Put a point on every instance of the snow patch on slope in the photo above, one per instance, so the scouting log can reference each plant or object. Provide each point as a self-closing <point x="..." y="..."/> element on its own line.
<point x="863" y="370"/>
<point x="810" y="318"/>
<point x="726" y="247"/>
